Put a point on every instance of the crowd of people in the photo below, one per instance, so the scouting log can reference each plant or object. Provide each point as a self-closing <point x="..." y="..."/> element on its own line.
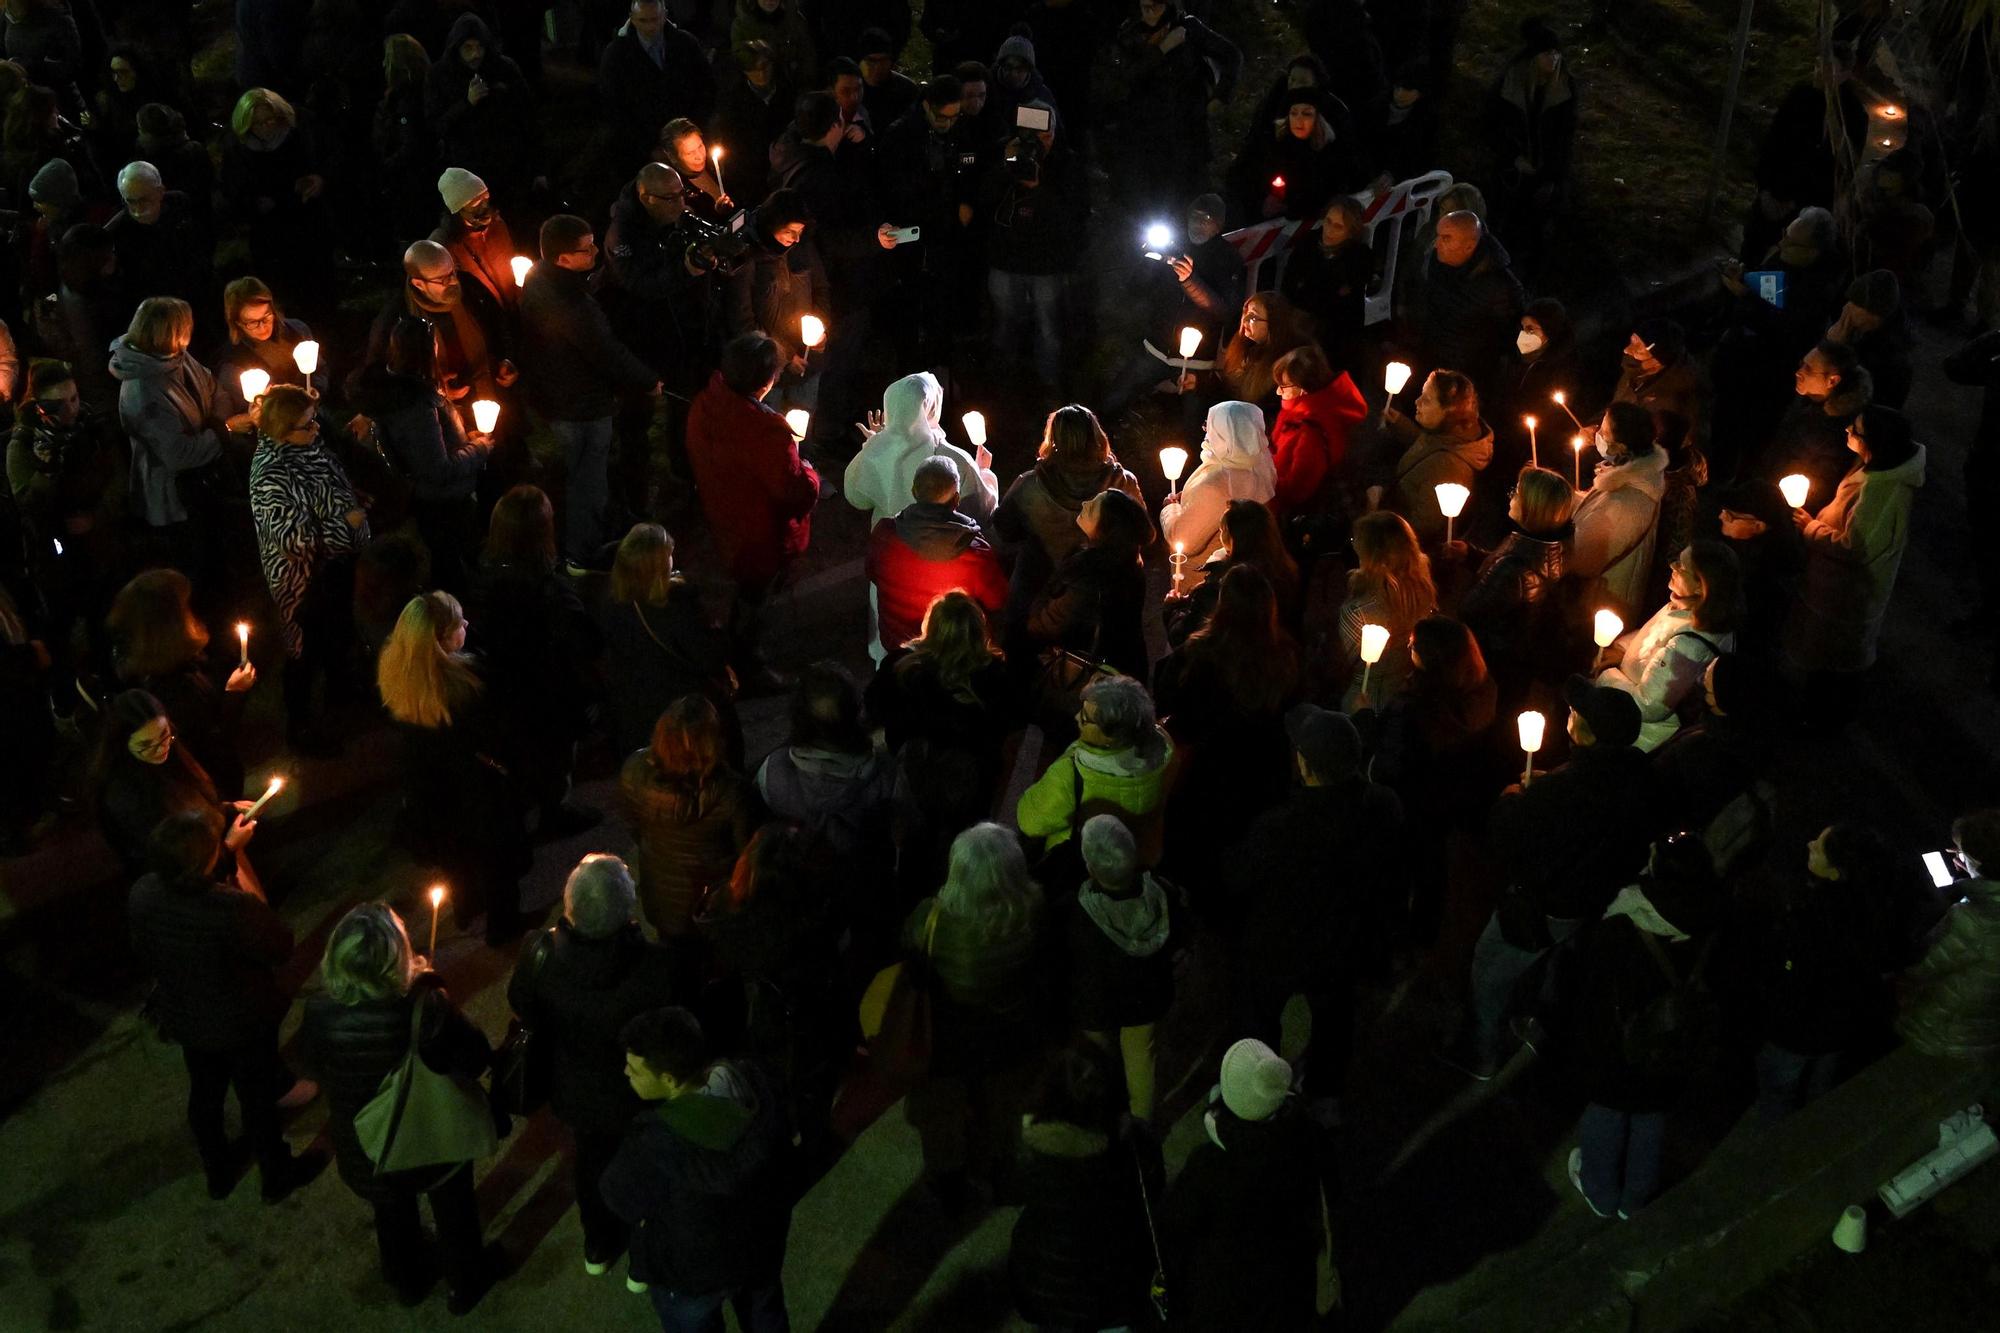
<point x="1268" y="728"/>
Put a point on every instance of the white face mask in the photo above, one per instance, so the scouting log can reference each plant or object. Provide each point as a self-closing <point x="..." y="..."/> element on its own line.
<point x="1603" y="447"/>
<point x="1529" y="342"/>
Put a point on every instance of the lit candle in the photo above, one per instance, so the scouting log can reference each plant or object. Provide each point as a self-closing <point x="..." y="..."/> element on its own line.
<point x="437" y="902"/>
<point x="1532" y="725"/>
<point x="254" y="382"/>
<point x="812" y="331"/>
<point x="277" y="785"/>
<point x="1606" y="627"/>
<point x="1451" y="499"/>
<point x="306" y="357"/>
<point x="1576" y="444"/>
<point x="715" y="159"/>
<point x="1795" y="488"/>
<point x="1278" y="186"/>
<point x="1190" y="340"/>
<point x="485" y="415"/>
<point x="1179" y="562"/>
<point x="1374" y="642"/>
<point x="1534" y="458"/>
<point x="1394" y="377"/>
<point x="243" y="640"/>
<point x="1561" y="400"/>
<point x="975" y="428"/>
<point x="521" y="264"/>
<point x="1890" y="111"/>
<point x="1173" y="462"/>
<point x="798" y="419"/>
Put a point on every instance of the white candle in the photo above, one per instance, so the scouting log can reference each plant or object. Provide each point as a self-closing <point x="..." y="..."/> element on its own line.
<point x="1534" y="458"/>
<point x="1173" y="462"/>
<point x="798" y="419"/>
<point x="1562" y="400"/>
<point x="975" y="428"/>
<point x="521" y="264"/>
<point x="1179" y="563"/>
<point x="1394" y="377"/>
<point x="437" y="902"/>
<point x="1795" y="488"/>
<point x="485" y="415"/>
<point x="243" y="640"/>
<point x="1532" y="724"/>
<point x="1606" y="627"/>
<point x="277" y="785"/>
<point x="306" y="357"/>
<point x="1576" y="443"/>
<point x="715" y="157"/>
<point x="812" y="330"/>
<point x="1374" y="642"/>
<point x="254" y="382"/>
<point x="1451" y="498"/>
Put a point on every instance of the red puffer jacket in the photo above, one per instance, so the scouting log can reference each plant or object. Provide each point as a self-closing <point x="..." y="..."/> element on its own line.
<point x="921" y="553"/>
<point x="756" y="490"/>
<point x="1309" y="446"/>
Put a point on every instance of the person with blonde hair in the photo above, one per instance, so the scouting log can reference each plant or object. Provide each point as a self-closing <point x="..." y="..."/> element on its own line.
<point x="978" y="940"/>
<point x="1662" y="663"/>
<point x="462" y="807"/>
<point x="270" y="170"/>
<point x="310" y="525"/>
<point x="1515" y="605"/>
<point x="659" y="643"/>
<point x="377" y="994"/>
<point x="1391" y="587"/>
<point x="1444" y="440"/>
<point x="261" y="337"/>
<point x="172" y="412"/>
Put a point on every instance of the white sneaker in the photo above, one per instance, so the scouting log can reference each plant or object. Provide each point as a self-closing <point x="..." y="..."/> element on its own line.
<point x="595" y="1269"/>
<point x="636" y="1287"/>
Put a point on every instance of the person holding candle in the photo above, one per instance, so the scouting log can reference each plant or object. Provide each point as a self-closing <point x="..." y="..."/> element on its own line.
<point x="1617" y="517"/>
<point x="900" y="439"/>
<point x="215" y="947"/>
<point x="477" y="238"/>
<point x="1545" y="360"/>
<point x="1854" y="546"/>
<point x="354" y="1036"/>
<point x="1312" y="148"/>
<point x="1037" y="517"/>
<point x="1250" y="536"/>
<point x="463" y="808"/>
<point x="1656" y="372"/>
<point x="1445" y="440"/>
<point x="683" y="147"/>
<point x="142" y="775"/>
<point x="1391" y="587"/>
<point x="1236" y="464"/>
<point x="261" y="338"/>
<point x="1564" y="844"/>
<point x="1661" y="663"/>
<point x="784" y="279"/>
<point x="1318" y="409"/>
<point x="575" y="987"/>
<point x="159" y="645"/>
<point x="1515" y="603"/>
<point x="1269" y="327"/>
<point x="1199" y="286"/>
<point x="310" y="525"/>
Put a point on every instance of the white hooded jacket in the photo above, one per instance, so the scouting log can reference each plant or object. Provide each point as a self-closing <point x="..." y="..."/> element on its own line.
<point x="1235" y="465"/>
<point x="1617" y="524"/>
<point x="878" y="479"/>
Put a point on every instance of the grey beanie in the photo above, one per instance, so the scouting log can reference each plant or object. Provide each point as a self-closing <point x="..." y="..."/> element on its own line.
<point x="1019" y="47"/>
<point x="56" y="184"/>
<point x="1877" y="292"/>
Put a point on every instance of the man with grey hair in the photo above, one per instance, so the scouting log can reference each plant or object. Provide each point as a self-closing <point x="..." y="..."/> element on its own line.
<point x="927" y="550"/>
<point x="1468" y="302"/>
<point x="1121" y="974"/>
<point x="162" y="248"/>
<point x="575" y="987"/>
<point x="1122" y="761"/>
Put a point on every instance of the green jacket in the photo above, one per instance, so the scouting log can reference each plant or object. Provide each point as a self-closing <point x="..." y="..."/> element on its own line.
<point x="1121" y="782"/>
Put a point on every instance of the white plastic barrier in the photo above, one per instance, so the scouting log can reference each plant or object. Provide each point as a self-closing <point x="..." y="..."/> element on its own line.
<point x="1405" y="206"/>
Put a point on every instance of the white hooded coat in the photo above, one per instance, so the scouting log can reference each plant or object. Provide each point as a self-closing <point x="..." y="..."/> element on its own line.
<point x="1235" y="465"/>
<point x="1617" y="524"/>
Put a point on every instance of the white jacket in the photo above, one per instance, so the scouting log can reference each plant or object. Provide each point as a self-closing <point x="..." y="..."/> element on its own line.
<point x="877" y="481"/>
<point x="1235" y="465"/>
<point x="1617" y="523"/>
<point x="1663" y="663"/>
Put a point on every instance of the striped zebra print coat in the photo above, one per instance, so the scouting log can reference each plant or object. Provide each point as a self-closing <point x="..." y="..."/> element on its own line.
<point x="299" y="500"/>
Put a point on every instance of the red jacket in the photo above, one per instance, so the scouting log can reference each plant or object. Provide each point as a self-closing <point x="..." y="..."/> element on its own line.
<point x="921" y="553"/>
<point x="756" y="490"/>
<point x="1309" y="445"/>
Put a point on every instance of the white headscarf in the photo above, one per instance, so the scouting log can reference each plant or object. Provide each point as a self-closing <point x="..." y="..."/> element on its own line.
<point x="1236" y="440"/>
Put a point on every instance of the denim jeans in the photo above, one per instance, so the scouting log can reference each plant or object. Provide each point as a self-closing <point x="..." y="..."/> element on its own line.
<point x="1027" y="310"/>
<point x="1621" y="1157"/>
<point x="1497" y="968"/>
<point x="758" y="1309"/>
<point x="587" y="444"/>
<point x="1787" y="1080"/>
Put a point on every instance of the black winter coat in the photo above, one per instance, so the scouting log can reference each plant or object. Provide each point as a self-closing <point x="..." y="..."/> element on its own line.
<point x="136" y="796"/>
<point x="351" y="1048"/>
<point x="1515" y="605"/>
<point x="1242" y="1228"/>
<point x="204" y="717"/>
<point x="577" y="994"/>
<point x="1095" y="604"/>
<point x="498" y="140"/>
<point x="1080" y="1255"/>
<point x="574" y="366"/>
<point x="1619" y="979"/>
<point x="1820" y="959"/>
<point x="1578" y="833"/>
<point x="1110" y="988"/>
<point x="1466" y="317"/>
<point x="215" y="950"/>
<point x="640" y="96"/>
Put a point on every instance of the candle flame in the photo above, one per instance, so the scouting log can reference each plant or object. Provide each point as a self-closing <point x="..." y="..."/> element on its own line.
<point x="1173" y="461"/>
<point x="1532" y="726"/>
<point x="1531" y="422"/>
<point x="521" y="264"/>
<point x="1576" y="443"/>
<point x="437" y="896"/>
<point x="243" y="631"/>
<point x="277" y="785"/>
<point x="715" y="153"/>
<point x="1560" y="399"/>
<point x="975" y="428"/>
<point x="1277" y="182"/>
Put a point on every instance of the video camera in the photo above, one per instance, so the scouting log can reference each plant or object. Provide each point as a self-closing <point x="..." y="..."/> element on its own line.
<point x="1024" y="153"/>
<point x="723" y="248"/>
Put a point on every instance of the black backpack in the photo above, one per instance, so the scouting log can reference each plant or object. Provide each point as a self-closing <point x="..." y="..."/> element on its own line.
<point x="1675" y="1033"/>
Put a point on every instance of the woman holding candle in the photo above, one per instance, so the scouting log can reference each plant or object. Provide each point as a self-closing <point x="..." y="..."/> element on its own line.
<point x="1445" y="441"/>
<point x="1269" y="327"/>
<point x="1318" y="410"/>
<point x="1617" y="518"/>
<point x="1854" y="546"/>
<point x="1308" y="155"/>
<point x="1250" y="537"/>
<point x="462" y="809"/>
<point x="1095" y="602"/>
<point x="1390" y="587"/>
<point x="1236" y="464"/>
<point x="353" y="1037"/>
<point x="142" y="775"/>
<point x="1037" y="517"/>
<point x="1661" y="663"/>
<point x="160" y="646"/>
<point x="310" y="525"/>
<point x="1515" y="604"/>
<point x="262" y="338"/>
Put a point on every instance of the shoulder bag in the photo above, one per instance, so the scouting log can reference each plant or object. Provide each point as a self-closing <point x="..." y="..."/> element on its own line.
<point x="423" y="1118"/>
<point x="897" y="1021"/>
<point x="725" y="687"/>
<point x="524" y="1066"/>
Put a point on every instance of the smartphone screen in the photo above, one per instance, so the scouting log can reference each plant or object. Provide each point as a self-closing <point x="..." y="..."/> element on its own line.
<point x="1940" y="872"/>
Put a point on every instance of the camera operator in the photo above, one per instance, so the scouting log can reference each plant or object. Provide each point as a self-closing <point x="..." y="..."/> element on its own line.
<point x="656" y="290"/>
<point x="782" y="279"/>
<point x="1197" y="284"/>
<point x="1036" y="211"/>
<point x="927" y="167"/>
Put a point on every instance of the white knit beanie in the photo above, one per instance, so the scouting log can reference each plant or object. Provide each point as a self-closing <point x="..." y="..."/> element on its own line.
<point x="1255" y="1081"/>
<point x="459" y="187"/>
